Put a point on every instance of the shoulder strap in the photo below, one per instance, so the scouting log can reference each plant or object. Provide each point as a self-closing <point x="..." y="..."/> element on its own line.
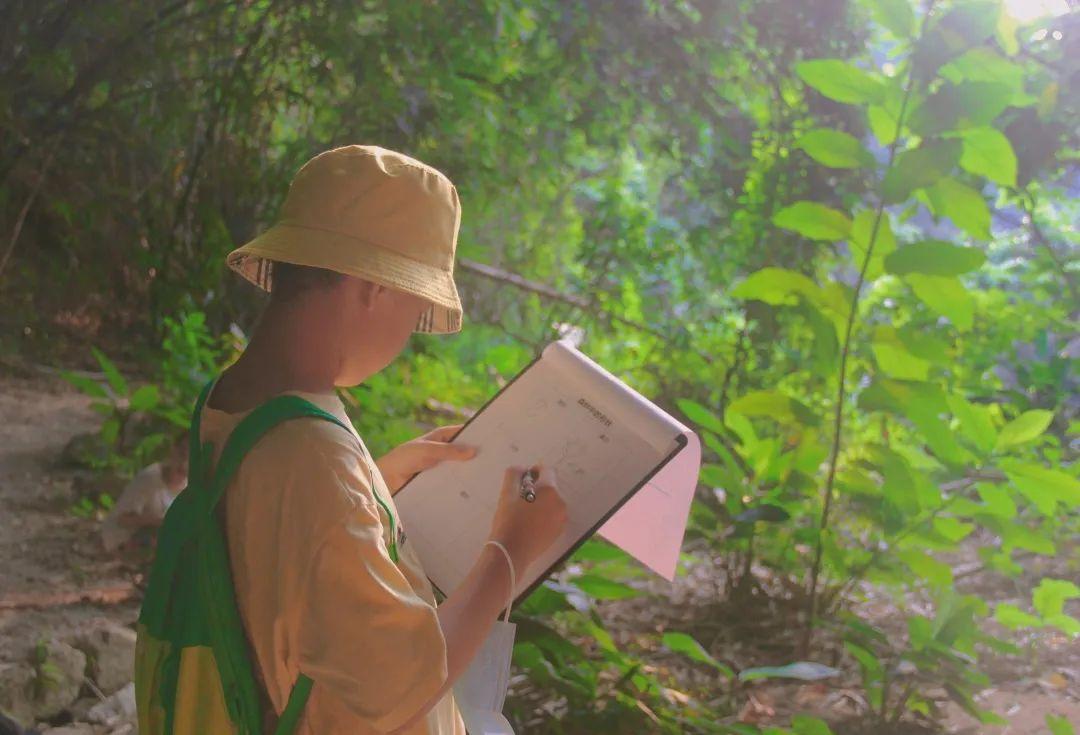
<point x="240" y="441"/>
<point x="298" y="697"/>
<point x="252" y="428"/>
<point x="195" y="428"/>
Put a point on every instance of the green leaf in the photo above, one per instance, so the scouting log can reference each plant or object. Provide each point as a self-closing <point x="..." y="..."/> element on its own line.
<point x="896" y="15"/>
<point x="1059" y="725"/>
<point x="776" y="286"/>
<point x="700" y="415"/>
<point x="87" y="385"/>
<point x="1013" y="617"/>
<point x="838" y="80"/>
<point x="602" y="588"/>
<point x="946" y="296"/>
<point x="922" y="404"/>
<point x="962" y="204"/>
<point x="871" y="669"/>
<point x="862" y="228"/>
<point x="145" y="398"/>
<point x="934" y="258"/>
<point x="742" y="428"/>
<point x="110" y="431"/>
<point x="882" y="123"/>
<point x="1015" y="536"/>
<point x="1049" y="597"/>
<point x="544" y="600"/>
<point x="997" y="500"/>
<point x="869" y="663"/>
<point x="975" y="422"/>
<point x="925" y="343"/>
<point x="807" y="725"/>
<point x="98" y="96"/>
<point x="919" y="168"/>
<point x="802" y="670"/>
<point x="597" y="550"/>
<point x="1005" y="31"/>
<point x="112" y="375"/>
<point x="814" y="221"/>
<point x="1026" y="427"/>
<point x="1067" y="624"/>
<point x="775" y="405"/>
<point x="953" y="32"/>
<point x="1044" y="487"/>
<point x="686" y="645"/>
<point x="1048" y="100"/>
<point x="893" y="357"/>
<point x="927" y="567"/>
<point x="834" y="148"/>
<point x="898" y="483"/>
<point x="983" y="64"/>
<point x="826" y="347"/>
<point x="988" y="153"/>
<point x="952" y="529"/>
<point x="960" y="106"/>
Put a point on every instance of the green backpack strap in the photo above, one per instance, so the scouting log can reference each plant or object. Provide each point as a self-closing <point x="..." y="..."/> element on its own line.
<point x="226" y="630"/>
<point x="172" y="536"/>
<point x="298" y="697"/>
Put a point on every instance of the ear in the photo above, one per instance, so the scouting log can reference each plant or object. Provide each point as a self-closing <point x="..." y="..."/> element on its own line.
<point x="367" y="293"/>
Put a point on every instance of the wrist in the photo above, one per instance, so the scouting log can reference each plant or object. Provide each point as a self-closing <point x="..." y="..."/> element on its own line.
<point x="517" y="553"/>
<point x="510" y="571"/>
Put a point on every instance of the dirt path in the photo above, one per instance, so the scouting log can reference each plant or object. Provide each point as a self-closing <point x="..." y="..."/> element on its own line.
<point x="46" y="548"/>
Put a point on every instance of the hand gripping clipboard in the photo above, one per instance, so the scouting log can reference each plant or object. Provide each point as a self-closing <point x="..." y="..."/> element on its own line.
<point x="626" y="469"/>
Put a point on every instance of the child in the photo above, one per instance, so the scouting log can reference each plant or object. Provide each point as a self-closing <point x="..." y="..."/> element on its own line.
<point x="362" y="257"/>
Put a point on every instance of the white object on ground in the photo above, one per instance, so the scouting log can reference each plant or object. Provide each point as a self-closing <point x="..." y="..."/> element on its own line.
<point x="146" y="495"/>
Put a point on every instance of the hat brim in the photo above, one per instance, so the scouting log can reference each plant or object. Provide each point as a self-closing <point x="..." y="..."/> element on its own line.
<point x="351" y="256"/>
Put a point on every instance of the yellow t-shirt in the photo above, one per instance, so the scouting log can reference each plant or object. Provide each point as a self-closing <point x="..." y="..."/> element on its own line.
<point x="317" y="590"/>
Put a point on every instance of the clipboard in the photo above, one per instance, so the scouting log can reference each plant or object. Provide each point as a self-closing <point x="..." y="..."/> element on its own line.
<point x="574" y="403"/>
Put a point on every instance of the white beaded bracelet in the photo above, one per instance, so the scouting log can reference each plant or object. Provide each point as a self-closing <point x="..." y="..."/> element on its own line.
<point x="513" y="577"/>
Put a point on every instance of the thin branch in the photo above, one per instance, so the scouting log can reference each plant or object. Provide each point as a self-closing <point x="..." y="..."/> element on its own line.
<point x="547" y="292"/>
<point x="1040" y="237"/>
<point x="841" y="391"/>
<point x="21" y="219"/>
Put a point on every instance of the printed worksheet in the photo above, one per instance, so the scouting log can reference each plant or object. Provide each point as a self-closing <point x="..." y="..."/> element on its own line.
<point x="560" y="411"/>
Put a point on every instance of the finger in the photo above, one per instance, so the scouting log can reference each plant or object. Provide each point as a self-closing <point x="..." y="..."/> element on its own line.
<point x="512" y="476"/>
<point x="546" y="477"/>
<point x="443" y="450"/>
<point x="443" y="433"/>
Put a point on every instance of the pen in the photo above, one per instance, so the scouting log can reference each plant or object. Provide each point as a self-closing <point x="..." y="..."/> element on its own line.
<point x="528" y="491"/>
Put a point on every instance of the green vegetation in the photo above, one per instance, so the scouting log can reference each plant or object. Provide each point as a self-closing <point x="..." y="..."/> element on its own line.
<point x="836" y="238"/>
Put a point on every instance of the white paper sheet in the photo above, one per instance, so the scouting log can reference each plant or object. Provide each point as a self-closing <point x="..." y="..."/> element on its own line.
<point x="602" y="438"/>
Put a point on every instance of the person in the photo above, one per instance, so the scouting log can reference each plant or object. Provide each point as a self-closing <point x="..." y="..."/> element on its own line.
<point x="327" y="582"/>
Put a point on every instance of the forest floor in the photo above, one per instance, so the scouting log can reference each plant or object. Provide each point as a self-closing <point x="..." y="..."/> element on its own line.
<point x="53" y="562"/>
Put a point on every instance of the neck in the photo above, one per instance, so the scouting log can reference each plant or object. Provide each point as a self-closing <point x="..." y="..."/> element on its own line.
<point x="286" y="353"/>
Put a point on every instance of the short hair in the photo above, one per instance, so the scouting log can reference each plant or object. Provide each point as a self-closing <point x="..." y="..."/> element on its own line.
<point x="289" y="280"/>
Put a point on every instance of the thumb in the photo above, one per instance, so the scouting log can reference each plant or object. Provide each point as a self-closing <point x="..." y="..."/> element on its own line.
<point x="447" y="450"/>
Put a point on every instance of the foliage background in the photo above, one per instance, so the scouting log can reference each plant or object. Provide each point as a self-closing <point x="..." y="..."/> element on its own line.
<point x="837" y="237"/>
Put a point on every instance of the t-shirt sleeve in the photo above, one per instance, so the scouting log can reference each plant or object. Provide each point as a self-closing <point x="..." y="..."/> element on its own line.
<point x="363" y="632"/>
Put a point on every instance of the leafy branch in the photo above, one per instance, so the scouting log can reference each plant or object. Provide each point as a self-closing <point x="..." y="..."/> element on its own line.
<point x="841" y="391"/>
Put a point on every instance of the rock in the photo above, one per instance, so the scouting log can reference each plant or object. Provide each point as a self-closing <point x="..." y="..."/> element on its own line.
<point x="17" y="691"/>
<point x="110" y="651"/>
<point x="75" y="728"/>
<point x="59" y="670"/>
<point x="81" y="707"/>
<point x="115" y="711"/>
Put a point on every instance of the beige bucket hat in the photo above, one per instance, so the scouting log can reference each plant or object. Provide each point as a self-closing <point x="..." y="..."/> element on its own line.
<point x="369" y="212"/>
